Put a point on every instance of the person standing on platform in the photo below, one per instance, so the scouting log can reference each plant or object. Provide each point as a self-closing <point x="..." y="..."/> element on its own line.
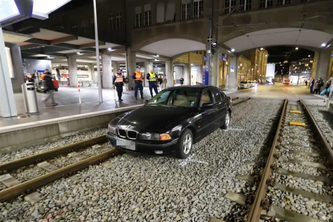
<point x="165" y="81"/>
<point x="48" y="86"/>
<point x="118" y="83"/>
<point x="181" y="80"/>
<point x="152" y="79"/>
<point x="138" y="79"/>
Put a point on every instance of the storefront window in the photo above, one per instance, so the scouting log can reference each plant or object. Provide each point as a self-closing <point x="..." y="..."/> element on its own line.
<point x="137" y="20"/>
<point x="118" y="21"/>
<point x="186" y="11"/>
<point x="10" y="63"/>
<point x="283" y="2"/>
<point x="265" y="3"/>
<point x="111" y="22"/>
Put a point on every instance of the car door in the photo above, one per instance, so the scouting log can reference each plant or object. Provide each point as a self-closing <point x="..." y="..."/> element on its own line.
<point x="220" y="106"/>
<point x="205" y="124"/>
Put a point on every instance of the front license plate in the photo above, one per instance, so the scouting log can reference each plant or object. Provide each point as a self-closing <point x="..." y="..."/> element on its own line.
<point x="130" y="145"/>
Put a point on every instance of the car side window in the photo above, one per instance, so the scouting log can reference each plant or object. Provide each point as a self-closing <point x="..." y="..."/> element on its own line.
<point x="216" y="95"/>
<point x="206" y="97"/>
<point x="160" y="98"/>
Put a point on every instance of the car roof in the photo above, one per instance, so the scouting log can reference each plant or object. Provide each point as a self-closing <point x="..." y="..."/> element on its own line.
<point x="190" y="87"/>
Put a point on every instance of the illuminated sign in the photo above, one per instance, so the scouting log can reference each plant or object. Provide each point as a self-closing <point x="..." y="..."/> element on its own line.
<point x="8" y="10"/>
<point x="42" y="8"/>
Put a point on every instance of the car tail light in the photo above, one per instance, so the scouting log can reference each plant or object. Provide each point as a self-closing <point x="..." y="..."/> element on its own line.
<point x="165" y="136"/>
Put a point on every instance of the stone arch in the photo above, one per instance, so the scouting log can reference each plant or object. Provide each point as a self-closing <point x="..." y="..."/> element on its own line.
<point x="138" y="45"/>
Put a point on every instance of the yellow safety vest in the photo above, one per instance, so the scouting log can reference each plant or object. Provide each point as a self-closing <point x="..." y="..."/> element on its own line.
<point x="152" y="77"/>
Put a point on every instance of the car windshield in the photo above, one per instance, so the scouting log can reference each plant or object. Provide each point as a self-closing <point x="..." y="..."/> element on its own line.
<point x="176" y="98"/>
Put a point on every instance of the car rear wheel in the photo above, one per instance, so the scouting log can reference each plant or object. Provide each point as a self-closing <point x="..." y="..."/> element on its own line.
<point x="185" y="144"/>
<point x="227" y="120"/>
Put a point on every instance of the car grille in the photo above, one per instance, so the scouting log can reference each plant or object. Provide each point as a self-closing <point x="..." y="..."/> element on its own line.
<point x="129" y="134"/>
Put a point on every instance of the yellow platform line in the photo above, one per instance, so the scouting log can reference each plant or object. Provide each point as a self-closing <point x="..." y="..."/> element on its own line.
<point x="297" y="123"/>
<point x="295" y="111"/>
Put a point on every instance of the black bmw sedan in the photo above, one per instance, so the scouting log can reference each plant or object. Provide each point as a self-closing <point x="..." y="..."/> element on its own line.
<point x="172" y="121"/>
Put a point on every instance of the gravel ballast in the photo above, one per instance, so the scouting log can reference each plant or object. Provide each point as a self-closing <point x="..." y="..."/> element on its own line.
<point x="35" y="149"/>
<point x="139" y="188"/>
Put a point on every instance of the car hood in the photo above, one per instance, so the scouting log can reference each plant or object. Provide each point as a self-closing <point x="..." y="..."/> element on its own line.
<point x="155" y="119"/>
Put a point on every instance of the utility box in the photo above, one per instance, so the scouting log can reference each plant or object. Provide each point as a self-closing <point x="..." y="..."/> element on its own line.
<point x="30" y="97"/>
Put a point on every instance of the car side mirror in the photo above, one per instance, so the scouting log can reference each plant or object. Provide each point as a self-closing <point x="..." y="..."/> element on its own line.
<point x="207" y="105"/>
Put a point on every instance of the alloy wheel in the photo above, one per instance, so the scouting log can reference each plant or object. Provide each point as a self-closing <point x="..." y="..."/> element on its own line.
<point x="187" y="144"/>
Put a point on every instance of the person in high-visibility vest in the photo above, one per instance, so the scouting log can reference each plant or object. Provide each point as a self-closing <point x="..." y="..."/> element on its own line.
<point x="138" y="79"/>
<point x="118" y="83"/>
<point x="152" y="79"/>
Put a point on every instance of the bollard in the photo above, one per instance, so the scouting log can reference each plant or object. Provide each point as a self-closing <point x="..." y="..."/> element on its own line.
<point x="78" y="89"/>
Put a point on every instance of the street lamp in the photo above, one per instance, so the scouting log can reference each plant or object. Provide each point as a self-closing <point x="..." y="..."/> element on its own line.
<point x="100" y="94"/>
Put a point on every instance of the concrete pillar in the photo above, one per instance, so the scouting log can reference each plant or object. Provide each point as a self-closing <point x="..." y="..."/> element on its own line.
<point x="216" y="69"/>
<point x="232" y="83"/>
<point x="7" y="100"/>
<point x="72" y="70"/>
<point x="91" y="69"/>
<point x="148" y="66"/>
<point x="169" y="72"/>
<point x="323" y="64"/>
<point x="130" y="66"/>
<point x="189" y="67"/>
<point x="17" y="68"/>
<point x="186" y="75"/>
<point x="107" y="72"/>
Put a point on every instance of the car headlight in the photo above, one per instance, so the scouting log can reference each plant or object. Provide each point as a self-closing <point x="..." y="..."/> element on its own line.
<point x="112" y="129"/>
<point x="155" y="136"/>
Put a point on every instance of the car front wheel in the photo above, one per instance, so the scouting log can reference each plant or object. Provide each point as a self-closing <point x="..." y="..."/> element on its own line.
<point x="227" y="120"/>
<point x="185" y="144"/>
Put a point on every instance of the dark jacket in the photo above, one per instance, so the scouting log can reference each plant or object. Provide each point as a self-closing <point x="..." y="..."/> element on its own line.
<point x="48" y="84"/>
<point x="118" y="83"/>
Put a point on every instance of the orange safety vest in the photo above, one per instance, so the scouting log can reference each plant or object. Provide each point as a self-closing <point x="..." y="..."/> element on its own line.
<point x="152" y="77"/>
<point x="119" y="78"/>
<point x="138" y="76"/>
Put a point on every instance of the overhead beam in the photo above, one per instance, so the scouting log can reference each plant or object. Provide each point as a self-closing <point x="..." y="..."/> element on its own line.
<point x="38" y="41"/>
<point x="64" y="39"/>
<point x="88" y="45"/>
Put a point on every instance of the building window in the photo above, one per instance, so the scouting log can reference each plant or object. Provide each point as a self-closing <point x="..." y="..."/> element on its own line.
<point x="186" y="10"/>
<point x="229" y="6"/>
<point x="111" y="22"/>
<point x="265" y="3"/>
<point x="244" y="5"/>
<point x="74" y="27"/>
<point x="137" y="20"/>
<point x="283" y="2"/>
<point x="147" y="19"/>
<point x="118" y="20"/>
<point x="198" y="8"/>
<point x="138" y="16"/>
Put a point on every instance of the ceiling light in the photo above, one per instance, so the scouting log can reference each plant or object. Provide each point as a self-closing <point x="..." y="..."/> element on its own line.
<point x="323" y="45"/>
<point x="261" y="48"/>
<point x="109" y="49"/>
<point x="79" y="53"/>
<point x="309" y="56"/>
<point x="156" y="60"/>
<point x="232" y="50"/>
<point x="266" y="55"/>
<point x="156" y="55"/>
<point x="229" y="51"/>
<point x="191" y="64"/>
<point x="296" y="48"/>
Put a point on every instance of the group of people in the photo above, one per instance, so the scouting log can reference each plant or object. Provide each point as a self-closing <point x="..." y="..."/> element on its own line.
<point x="153" y="79"/>
<point x="317" y="84"/>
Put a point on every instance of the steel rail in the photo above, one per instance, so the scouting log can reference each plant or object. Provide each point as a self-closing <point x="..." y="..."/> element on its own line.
<point x="13" y="165"/>
<point x="241" y="101"/>
<point x="12" y="192"/>
<point x="254" y="214"/>
<point x="318" y="133"/>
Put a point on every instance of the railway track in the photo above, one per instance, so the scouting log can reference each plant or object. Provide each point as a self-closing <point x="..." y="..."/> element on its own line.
<point x="12" y="187"/>
<point x="296" y="183"/>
